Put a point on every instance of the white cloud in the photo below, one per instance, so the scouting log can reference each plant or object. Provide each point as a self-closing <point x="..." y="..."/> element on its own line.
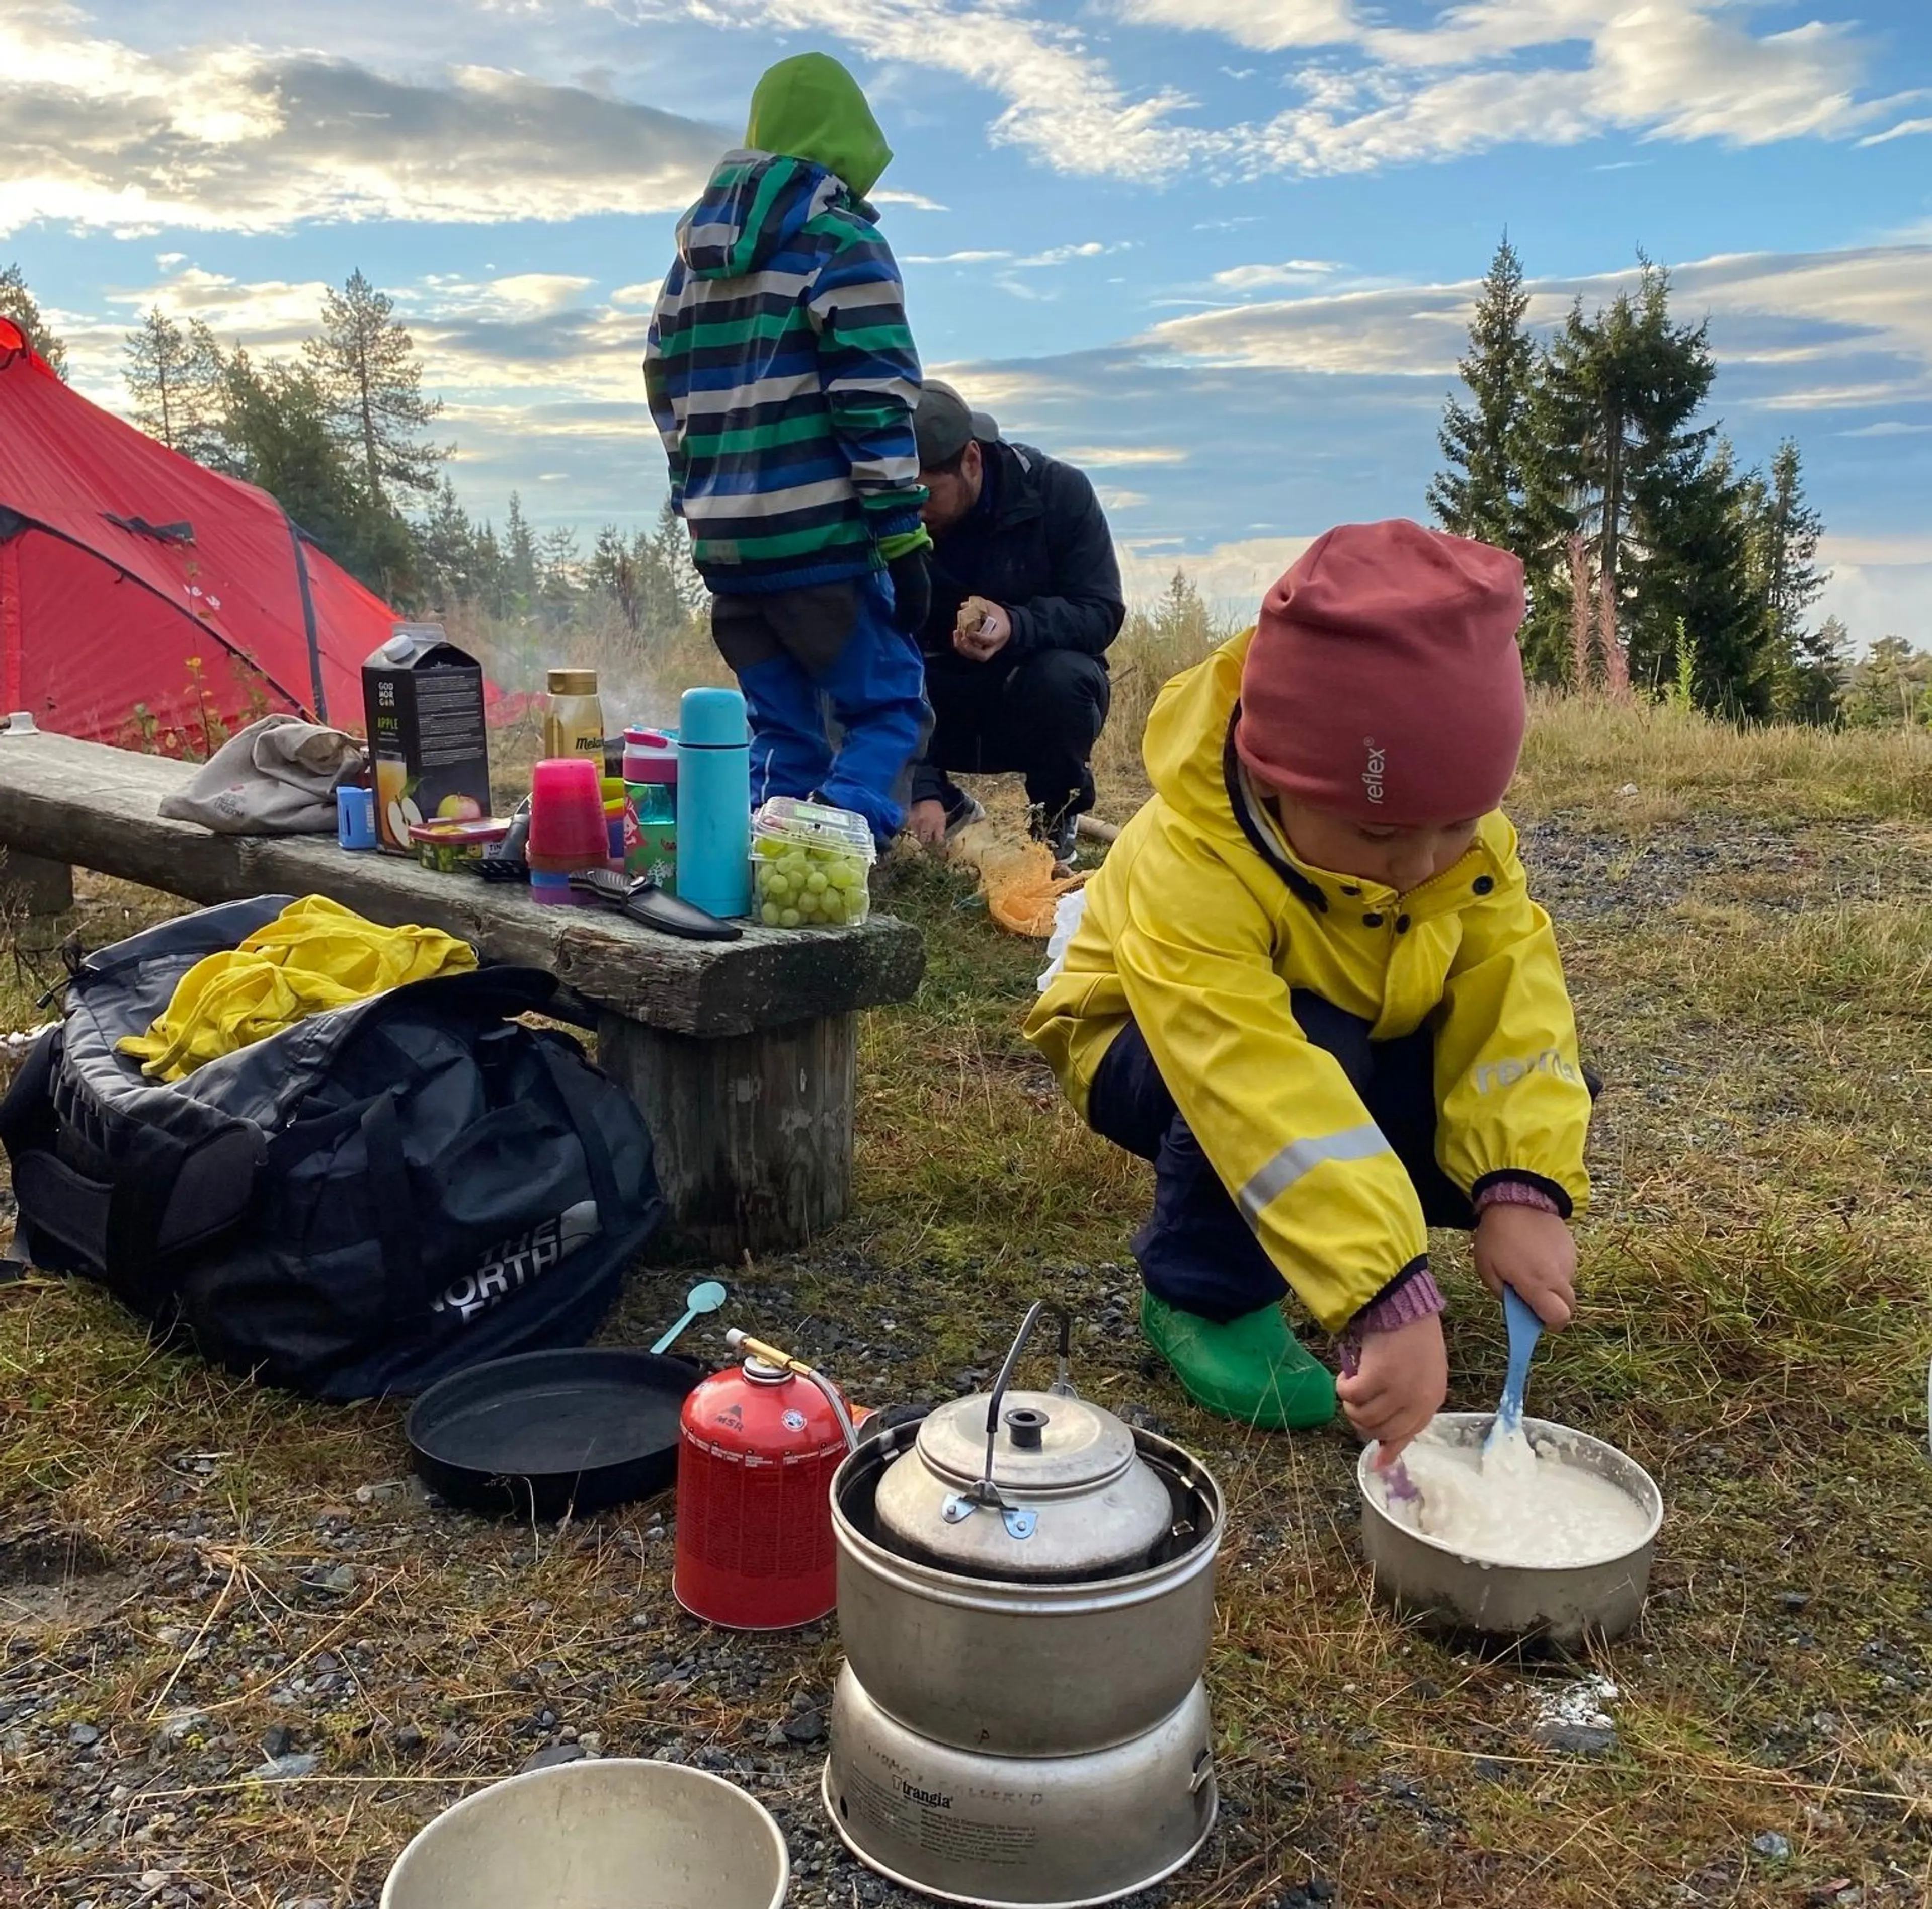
<point x="1888" y="427"/>
<point x="1905" y="129"/>
<point x="1660" y="69"/>
<point x="1113" y="457"/>
<point x="1061" y="101"/>
<point x="1118" y="502"/>
<point x="952" y="258"/>
<point x="227" y="138"/>
<point x="1234" y="577"/>
<point x="1290" y="272"/>
<point x="1066" y="255"/>
<point x="1821" y="330"/>
<point x="637" y="298"/>
<point x="1270" y="26"/>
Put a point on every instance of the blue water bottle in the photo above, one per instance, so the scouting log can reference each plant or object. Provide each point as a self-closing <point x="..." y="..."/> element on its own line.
<point x="714" y="802"/>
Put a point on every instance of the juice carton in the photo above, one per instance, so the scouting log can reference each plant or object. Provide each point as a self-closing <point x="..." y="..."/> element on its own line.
<point x="423" y="699"/>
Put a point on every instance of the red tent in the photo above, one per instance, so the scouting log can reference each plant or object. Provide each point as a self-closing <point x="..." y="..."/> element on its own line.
<point x="142" y="595"/>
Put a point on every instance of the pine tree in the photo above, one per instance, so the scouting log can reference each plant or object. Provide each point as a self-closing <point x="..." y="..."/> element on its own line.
<point x="277" y="435"/>
<point x="174" y="379"/>
<point x="1480" y="493"/>
<point x="1611" y="418"/>
<point x="19" y="304"/>
<point x="364" y="363"/>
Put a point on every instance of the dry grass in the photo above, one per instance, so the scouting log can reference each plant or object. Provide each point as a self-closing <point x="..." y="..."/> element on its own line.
<point x="1757" y="1332"/>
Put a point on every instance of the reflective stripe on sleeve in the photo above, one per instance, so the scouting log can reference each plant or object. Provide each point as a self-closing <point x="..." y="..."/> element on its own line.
<point x="1272" y="1180"/>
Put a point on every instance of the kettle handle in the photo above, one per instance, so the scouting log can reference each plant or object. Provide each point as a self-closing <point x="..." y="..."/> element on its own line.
<point x="1062" y="1386"/>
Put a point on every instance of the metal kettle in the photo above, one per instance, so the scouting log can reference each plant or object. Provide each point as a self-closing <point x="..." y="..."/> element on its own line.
<point x="1026" y="1485"/>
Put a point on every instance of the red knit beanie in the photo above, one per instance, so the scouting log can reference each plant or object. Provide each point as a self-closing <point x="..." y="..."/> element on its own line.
<point x="1384" y="681"/>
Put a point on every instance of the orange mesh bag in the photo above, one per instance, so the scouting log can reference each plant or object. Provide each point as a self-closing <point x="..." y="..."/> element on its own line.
<point x="1020" y="888"/>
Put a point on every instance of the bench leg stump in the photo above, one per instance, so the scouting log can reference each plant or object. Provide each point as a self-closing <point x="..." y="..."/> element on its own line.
<point x="752" y="1133"/>
<point x="34" y="894"/>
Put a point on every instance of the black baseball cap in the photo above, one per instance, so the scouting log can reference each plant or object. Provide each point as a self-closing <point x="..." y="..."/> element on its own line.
<point x="945" y="424"/>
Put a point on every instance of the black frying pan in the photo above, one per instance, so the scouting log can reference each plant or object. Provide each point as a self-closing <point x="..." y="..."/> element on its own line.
<point x="548" y="1432"/>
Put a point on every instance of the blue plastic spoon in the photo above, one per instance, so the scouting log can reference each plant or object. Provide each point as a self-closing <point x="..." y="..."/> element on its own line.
<point x="1524" y="1329"/>
<point x="706" y="1298"/>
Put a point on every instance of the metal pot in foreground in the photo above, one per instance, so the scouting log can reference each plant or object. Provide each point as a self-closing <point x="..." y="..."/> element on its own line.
<point x="1426" y="1578"/>
<point x="1026" y="1592"/>
<point x="1011" y="1832"/>
<point x="1024" y="1667"/>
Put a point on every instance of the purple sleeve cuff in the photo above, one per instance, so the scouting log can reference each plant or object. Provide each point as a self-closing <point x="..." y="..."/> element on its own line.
<point x="1515" y="1193"/>
<point x="1415" y="1297"/>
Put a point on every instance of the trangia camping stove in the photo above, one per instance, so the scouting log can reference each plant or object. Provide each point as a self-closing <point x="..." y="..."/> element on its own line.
<point x="1026" y="1592"/>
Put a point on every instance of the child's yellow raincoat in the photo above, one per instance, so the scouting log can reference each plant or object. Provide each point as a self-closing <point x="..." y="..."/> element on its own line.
<point x="1201" y="923"/>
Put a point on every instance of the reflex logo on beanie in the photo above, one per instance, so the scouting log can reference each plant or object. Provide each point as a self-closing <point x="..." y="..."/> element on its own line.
<point x="1372" y="776"/>
<point x="1384" y="681"/>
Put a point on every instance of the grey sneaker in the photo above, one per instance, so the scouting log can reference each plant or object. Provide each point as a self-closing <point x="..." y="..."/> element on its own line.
<point x="963" y="814"/>
<point x="1060" y="834"/>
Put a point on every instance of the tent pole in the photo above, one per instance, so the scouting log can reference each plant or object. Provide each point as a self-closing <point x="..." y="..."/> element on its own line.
<point x="308" y="622"/>
<point x="11" y="614"/>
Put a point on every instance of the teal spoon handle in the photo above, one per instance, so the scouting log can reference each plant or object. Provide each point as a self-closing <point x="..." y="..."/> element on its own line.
<point x="1524" y="1329"/>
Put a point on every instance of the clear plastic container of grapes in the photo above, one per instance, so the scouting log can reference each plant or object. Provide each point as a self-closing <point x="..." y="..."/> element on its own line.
<point x="810" y="865"/>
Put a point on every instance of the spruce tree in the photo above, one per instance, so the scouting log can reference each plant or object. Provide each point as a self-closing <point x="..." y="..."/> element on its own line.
<point x="520" y="561"/>
<point x="446" y="544"/>
<point x="1786" y="535"/>
<point x="1480" y="491"/>
<point x="365" y="363"/>
<point x="671" y="542"/>
<point x="1694" y="517"/>
<point x="19" y="303"/>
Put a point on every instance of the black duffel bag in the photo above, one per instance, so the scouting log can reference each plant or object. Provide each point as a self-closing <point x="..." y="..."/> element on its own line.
<point x="372" y="1200"/>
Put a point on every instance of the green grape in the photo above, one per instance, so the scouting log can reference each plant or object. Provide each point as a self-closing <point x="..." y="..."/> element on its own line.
<point x="839" y="876"/>
<point x="769" y="915"/>
<point x="789" y="918"/>
<point x="777" y="888"/>
<point x="832" y="910"/>
<point x="815" y="883"/>
<point x="794" y="863"/>
<point x="808" y="906"/>
<point x="770" y="847"/>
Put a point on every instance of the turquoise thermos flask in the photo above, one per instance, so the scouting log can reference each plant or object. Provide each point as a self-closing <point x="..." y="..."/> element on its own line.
<point x="714" y="802"/>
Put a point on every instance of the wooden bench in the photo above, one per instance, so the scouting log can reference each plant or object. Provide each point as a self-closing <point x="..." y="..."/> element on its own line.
<point x="742" y="1055"/>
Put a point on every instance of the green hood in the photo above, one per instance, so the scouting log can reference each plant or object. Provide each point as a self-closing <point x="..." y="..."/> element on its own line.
<point x="811" y="108"/>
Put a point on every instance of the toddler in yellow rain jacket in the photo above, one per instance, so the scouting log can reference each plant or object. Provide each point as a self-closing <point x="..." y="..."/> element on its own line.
<point x="1311" y="987"/>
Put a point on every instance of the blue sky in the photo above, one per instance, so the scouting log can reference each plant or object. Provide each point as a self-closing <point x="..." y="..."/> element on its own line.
<point x="1219" y="251"/>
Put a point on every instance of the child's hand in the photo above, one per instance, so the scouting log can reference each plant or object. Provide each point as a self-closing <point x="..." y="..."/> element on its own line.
<point x="1534" y="1252"/>
<point x="1398" y="1384"/>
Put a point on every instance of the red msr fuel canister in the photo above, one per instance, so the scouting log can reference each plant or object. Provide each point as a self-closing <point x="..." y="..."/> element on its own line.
<point x="759" y="1444"/>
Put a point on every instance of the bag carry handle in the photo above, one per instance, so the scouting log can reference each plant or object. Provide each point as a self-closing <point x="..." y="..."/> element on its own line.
<point x="573" y="1086"/>
<point x="395" y="1213"/>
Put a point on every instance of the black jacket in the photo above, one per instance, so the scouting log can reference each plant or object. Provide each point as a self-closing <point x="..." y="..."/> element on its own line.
<point x="1042" y="553"/>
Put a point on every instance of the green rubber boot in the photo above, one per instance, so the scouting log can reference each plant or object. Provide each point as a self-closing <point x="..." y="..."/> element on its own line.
<point x="1252" y="1369"/>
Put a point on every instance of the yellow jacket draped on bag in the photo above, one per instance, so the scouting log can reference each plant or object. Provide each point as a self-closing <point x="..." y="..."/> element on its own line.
<point x="315" y="955"/>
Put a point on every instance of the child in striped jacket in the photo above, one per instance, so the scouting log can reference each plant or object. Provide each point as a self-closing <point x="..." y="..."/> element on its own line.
<point x="783" y="378"/>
